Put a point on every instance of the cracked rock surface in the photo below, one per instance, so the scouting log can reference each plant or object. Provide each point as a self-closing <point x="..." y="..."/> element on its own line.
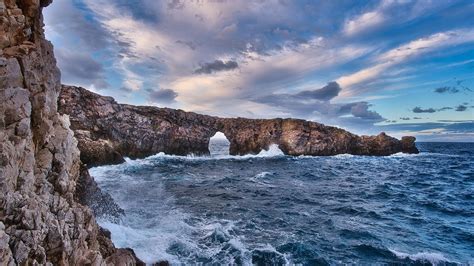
<point x="41" y="220"/>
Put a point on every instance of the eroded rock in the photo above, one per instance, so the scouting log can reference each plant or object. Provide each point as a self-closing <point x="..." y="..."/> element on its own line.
<point x="107" y="131"/>
<point x="41" y="220"/>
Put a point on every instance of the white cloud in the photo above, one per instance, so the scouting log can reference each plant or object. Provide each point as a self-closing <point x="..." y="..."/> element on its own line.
<point x="363" y="22"/>
<point x="402" y="54"/>
<point x="389" y="12"/>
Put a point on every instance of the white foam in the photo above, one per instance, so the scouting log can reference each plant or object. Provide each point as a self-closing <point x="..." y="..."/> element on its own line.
<point x="149" y="246"/>
<point x="263" y="174"/>
<point x="273" y="151"/>
<point x="432" y="257"/>
<point x="343" y="156"/>
<point x="421" y="154"/>
<point x="272" y="249"/>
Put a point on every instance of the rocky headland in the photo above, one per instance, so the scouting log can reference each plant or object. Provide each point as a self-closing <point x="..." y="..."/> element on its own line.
<point x="43" y="184"/>
<point x="108" y="131"/>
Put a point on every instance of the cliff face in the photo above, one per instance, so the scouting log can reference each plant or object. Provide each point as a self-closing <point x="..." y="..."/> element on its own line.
<point x="107" y="131"/>
<point x="41" y="221"/>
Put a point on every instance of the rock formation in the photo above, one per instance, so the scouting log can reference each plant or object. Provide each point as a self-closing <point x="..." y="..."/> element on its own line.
<point x="107" y="131"/>
<point x="41" y="220"/>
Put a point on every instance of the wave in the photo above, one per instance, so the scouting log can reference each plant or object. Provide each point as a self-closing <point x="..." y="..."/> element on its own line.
<point x="150" y="244"/>
<point x="421" y="154"/>
<point x="432" y="257"/>
<point x="273" y="151"/>
<point x="263" y="174"/>
<point x="225" y="209"/>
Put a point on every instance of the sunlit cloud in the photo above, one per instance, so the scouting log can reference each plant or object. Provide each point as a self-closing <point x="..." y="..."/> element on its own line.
<point x="259" y="59"/>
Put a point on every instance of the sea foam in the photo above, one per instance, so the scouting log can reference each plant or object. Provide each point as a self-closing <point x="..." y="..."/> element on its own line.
<point x="431" y="257"/>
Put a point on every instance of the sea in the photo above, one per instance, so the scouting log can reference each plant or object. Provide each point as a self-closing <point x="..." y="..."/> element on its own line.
<point x="273" y="209"/>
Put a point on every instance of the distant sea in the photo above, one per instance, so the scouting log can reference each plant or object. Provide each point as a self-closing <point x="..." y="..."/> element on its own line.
<point x="272" y="209"/>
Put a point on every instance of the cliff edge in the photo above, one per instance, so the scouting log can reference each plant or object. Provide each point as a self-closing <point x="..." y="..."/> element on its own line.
<point x="41" y="219"/>
<point x="108" y="131"/>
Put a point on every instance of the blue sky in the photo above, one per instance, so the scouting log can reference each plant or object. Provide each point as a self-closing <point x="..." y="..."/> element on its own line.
<point x="403" y="67"/>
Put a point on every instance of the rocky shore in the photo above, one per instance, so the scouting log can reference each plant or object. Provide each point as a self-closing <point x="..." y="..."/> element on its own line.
<point x="108" y="131"/>
<point x="49" y="132"/>
<point x="42" y="218"/>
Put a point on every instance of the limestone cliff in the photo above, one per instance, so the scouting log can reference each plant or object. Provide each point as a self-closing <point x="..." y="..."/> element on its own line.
<point x="107" y="131"/>
<point x="41" y="221"/>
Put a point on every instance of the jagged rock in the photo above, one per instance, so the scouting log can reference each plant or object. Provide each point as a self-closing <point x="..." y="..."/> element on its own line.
<point x="88" y="193"/>
<point x="124" y="257"/>
<point x="408" y="144"/>
<point x="107" y="131"/>
<point x="161" y="263"/>
<point x="41" y="221"/>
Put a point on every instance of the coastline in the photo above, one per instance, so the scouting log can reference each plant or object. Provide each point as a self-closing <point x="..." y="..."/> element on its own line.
<point x="45" y="183"/>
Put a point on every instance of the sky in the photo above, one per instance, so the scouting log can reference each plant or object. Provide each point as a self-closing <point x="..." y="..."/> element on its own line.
<point x="399" y="66"/>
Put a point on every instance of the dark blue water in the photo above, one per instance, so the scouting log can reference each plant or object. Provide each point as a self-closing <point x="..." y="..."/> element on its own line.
<point x="272" y="209"/>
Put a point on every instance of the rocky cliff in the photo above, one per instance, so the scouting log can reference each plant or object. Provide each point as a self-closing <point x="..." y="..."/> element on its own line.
<point x="107" y="131"/>
<point x="41" y="220"/>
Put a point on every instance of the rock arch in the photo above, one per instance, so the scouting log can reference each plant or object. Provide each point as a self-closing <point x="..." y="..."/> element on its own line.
<point x="104" y="127"/>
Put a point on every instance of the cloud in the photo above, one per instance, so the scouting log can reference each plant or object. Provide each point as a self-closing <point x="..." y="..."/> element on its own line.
<point x="65" y="17"/>
<point x="316" y="104"/>
<point x="80" y="37"/>
<point x="162" y="96"/>
<point x="421" y="110"/>
<point x="363" y="22"/>
<point x="456" y="88"/>
<point x="446" y="89"/>
<point x="176" y="4"/>
<point x="81" y="69"/>
<point x="270" y="62"/>
<point x="403" y="53"/>
<point x="267" y="60"/>
<point x="216" y="66"/>
<point x="189" y="44"/>
<point x="326" y="93"/>
<point x="452" y="130"/>
<point x="444" y="109"/>
<point x="323" y="94"/>
<point x="361" y="110"/>
<point x="386" y="12"/>
<point x="452" y="126"/>
<point x="461" y="108"/>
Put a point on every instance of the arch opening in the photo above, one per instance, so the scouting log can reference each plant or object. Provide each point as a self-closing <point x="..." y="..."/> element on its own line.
<point x="219" y="145"/>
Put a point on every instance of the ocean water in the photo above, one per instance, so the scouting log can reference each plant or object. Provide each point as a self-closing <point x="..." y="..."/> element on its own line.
<point x="271" y="209"/>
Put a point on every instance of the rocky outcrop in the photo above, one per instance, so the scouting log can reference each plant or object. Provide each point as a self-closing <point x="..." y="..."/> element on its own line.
<point x="107" y="131"/>
<point x="41" y="220"/>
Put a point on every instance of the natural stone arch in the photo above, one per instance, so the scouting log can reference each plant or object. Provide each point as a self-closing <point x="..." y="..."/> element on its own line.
<point x="219" y="144"/>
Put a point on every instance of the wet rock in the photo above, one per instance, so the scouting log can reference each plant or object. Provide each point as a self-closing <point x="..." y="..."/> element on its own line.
<point x="88" y="193"/>
<point x="108" y="131"/>
<point x="124" y="257"/>
<point x="408" y="145"/>
<point x="161" y="263"/>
